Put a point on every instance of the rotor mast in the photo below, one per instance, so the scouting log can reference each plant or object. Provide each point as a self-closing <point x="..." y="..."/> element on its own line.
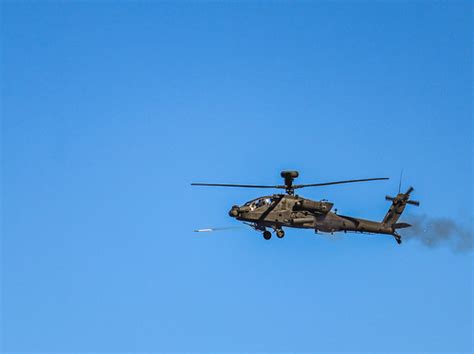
<point x="289" y="176"/>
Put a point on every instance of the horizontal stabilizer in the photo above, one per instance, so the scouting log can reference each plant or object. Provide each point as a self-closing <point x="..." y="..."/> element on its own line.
<point x="401" y="225"/>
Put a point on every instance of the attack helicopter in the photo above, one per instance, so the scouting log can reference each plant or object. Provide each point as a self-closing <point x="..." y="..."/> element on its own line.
<point x="290" y="210"/>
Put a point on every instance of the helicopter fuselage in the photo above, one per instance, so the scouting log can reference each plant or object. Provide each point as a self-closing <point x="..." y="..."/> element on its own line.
<point x="290" y="210"/>
<point x="281" y="210"/>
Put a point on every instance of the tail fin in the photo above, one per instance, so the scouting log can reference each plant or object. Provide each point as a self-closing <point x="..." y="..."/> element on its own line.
<point x="398" y="206"/>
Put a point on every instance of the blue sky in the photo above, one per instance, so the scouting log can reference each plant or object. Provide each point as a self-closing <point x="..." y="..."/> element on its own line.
<point x="111" y="109"/>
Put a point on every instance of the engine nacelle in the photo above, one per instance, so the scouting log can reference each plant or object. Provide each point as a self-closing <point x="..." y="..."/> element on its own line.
<point x="314" y="206"/>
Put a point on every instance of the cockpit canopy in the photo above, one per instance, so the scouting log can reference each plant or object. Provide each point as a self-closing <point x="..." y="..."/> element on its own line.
<point x="259" y="202"/>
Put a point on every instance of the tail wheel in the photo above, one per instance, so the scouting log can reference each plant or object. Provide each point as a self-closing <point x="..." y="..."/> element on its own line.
<point x="280" y="233"/>
<point x="267" y="235"/>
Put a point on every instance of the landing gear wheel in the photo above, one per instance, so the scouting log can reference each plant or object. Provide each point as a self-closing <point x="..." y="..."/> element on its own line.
<point x="280" y="233"/>
<point x="267" y="235"/>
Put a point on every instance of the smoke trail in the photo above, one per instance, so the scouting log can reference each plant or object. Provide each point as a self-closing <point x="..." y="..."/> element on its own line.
<point x="212" y="229"/>
<point x="434" y="232"/>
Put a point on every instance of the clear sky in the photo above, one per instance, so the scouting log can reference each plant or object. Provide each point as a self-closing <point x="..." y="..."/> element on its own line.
<point x="110" y="110"/>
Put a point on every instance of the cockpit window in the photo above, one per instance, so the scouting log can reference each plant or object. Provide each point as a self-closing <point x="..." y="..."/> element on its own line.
<point x="263" y="201"/>
<point x="258" y="203"/>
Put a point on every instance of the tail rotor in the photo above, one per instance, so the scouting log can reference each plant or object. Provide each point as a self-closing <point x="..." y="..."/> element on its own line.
<point x="403" y="198"/>
<point x="399" y="203"/>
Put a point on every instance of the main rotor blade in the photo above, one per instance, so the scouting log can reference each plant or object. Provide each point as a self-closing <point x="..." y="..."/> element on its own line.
<point x="234" y="185"/>
<point x="296" y="186"/>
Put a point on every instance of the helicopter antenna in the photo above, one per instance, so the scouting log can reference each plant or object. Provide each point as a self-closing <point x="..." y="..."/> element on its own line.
<point x="400" y="182"/>
<point x="289" y="187"/>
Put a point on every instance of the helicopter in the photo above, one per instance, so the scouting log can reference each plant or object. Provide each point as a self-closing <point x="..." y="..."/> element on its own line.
<point x="273" y="212"/>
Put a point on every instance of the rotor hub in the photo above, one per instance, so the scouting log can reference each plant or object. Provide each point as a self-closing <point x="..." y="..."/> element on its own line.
<point x="289" y="176"/>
